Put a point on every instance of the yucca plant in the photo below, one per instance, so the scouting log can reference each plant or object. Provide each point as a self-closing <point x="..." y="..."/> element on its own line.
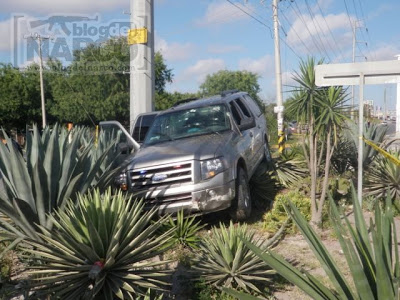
<point x="102" y="247"/>
<point x="372" y="258"/>
<point x="383" y="177"/>
<point x="224" y="259"/>
<point x="55" y="170"/>
<point x="184" y="230"/>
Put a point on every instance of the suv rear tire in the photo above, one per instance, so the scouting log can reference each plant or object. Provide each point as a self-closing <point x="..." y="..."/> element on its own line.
<point x="241" y="208"/>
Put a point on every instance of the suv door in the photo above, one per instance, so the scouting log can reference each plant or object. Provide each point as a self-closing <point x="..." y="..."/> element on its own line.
<point x="246" y="144"/>
<point x="260" y="130"/>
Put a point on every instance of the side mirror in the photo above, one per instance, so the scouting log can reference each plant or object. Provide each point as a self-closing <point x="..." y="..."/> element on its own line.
<point x="247" y="124"/>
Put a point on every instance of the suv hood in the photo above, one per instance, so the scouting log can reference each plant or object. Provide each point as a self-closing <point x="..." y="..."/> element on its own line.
<point x="193" y="148"/>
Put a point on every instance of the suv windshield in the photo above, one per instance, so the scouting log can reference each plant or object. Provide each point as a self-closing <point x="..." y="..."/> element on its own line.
<point x="187" y="123"/>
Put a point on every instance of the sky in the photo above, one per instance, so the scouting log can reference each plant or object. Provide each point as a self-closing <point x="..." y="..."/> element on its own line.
<point x="200" y="37"/>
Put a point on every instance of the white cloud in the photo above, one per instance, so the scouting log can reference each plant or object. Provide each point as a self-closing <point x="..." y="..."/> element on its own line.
<point x="224" y="12"/>
<point x="202" y="68"/>
<point x="174" y="51"/>
<point x="5" y="36"/>
<point x="10" y="35"/>
<point x="222" y="49"/>
<point x="384" y="52"/>
<point x="57" y="6"/>
<point x="309" y="40"/>
<point x="263" y="66"/>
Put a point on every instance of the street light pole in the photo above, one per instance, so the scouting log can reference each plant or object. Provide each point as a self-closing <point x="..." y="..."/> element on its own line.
<point x="44" y="120"/>
<point x="40" y="38"/>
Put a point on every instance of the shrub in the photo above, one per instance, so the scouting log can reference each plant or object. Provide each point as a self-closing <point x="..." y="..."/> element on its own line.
<point x="224" y="260"/>
<point x="277" y="216"/>
<point x="102" y="248"/>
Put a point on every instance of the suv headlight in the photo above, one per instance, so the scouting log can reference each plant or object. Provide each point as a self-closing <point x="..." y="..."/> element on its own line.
<point x="121" y="181"/>
<point x="211" y="167"/>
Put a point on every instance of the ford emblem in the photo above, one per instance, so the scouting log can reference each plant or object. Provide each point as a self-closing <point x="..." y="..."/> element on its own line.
<point x="159" y="177"/>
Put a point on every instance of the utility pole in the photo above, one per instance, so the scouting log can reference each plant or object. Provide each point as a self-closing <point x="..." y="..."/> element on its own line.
<point x="278" y="77"/>
<point x="141" y="40"/>
<point x="39" y="37"/>
<point x="355" y="41"/>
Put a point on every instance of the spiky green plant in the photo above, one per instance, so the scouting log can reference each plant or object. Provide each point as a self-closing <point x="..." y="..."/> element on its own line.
<point x="372" y="258"/>
<point x="290" y="168"/>
<point x="55" y="170"/>
<point x="383" y="178"/>
<point x="224" y="259"/>
<point x="184" y="230"/>
<point x="102" y="247"/>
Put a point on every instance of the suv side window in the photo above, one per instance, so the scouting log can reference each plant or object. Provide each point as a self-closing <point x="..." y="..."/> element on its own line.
<point x="235" y="113"/>
<point x="253" y="105"/>
<point x="243" y="108"/>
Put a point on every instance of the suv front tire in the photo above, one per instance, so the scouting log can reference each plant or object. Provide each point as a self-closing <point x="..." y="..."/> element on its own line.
<point x="241" y="207"/>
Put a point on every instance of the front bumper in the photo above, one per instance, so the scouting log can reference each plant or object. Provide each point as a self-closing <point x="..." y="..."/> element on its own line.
<point x="207" y="196"/>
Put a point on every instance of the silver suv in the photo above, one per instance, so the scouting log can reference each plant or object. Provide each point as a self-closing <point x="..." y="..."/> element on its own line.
<point x="199" y="155"/>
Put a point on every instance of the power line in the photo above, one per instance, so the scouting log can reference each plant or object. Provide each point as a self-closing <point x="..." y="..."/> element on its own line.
<point x="330" y="31"/>
<point x="250" y="15"/>
<point x="315" y="21"/>
<point x="265" y="25"/>
<point x="298" y="13"/>
<point x="295" y="32"/>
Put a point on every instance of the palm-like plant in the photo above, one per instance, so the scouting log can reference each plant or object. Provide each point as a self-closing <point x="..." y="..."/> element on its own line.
<point x="373" y="259"/>
<point x="184" y="230"/>
<point x="383" y="178"/>
<point x="323" y="110"/>
<point x="225" y="260"/>
<point x="102" y="247"/>
<point x="55" y="170"/>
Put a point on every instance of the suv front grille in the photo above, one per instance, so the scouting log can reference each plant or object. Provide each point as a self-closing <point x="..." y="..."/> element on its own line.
<point x="161" y="176"/>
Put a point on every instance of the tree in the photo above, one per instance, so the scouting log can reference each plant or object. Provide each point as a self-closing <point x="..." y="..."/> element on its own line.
<point x="162" y="73"/>
<point x="228" y="80"/>
<point x="19" y="97"/>
<point x="96" y="85"/>
<point x="323" y="110"/>
<point x="166" y="100"/>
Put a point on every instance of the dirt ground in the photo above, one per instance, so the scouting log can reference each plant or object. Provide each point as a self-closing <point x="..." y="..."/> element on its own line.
<point x="295" y="247"/>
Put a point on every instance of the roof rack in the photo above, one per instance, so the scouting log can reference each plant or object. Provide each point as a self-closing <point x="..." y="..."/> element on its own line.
<point x="228" y="92"/>
<point x="183" y="101"/>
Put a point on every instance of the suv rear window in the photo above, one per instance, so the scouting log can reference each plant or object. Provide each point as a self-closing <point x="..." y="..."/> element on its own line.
<point x="253" y="105"/>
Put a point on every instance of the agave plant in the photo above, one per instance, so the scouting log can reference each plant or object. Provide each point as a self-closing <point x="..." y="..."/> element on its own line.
<point x="285" y="170"/>
<point x="225" y="260"/>
<point x="55" y="170"/>
<point x="373" y="259"/>
<point x="384" y="178"/>
<point x="102" y="248"/>
<point x="184" y="231"/>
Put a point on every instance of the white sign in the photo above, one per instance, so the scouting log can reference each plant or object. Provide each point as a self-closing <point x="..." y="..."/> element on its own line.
<point x="375" y="72"/>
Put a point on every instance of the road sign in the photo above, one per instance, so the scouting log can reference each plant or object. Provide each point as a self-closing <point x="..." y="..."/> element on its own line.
<point x="137" y="36"/>
<point x="375" y="72"/>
